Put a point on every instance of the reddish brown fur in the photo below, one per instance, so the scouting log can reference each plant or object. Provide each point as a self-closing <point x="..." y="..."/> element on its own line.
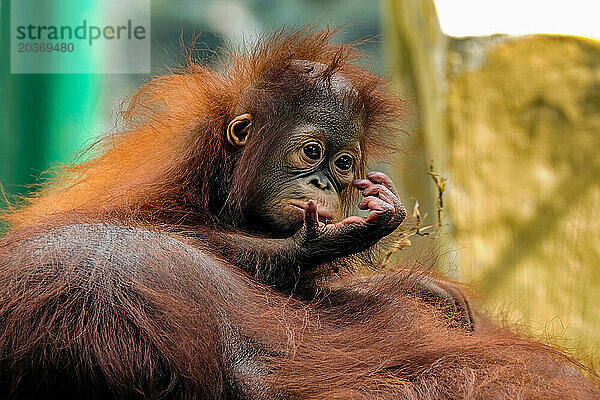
<point x="346" y="351"/>
<point x="163" y="174"/>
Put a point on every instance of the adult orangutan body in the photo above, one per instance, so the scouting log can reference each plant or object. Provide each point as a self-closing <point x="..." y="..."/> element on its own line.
<point x="190" y="257"/>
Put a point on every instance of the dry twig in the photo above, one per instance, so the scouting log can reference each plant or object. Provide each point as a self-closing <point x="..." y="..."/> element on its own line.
<point x="403" y="240"/>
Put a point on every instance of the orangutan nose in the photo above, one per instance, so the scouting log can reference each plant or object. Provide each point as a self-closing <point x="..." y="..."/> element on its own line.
<point x="320" y="181"/>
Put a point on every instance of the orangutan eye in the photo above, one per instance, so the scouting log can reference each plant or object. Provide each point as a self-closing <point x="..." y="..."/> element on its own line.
<point x="313" y="151"/>
<point x="344" y="162"/>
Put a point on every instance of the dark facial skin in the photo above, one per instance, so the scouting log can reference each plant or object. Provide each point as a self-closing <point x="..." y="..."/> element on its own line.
<point x="317" y="161"/>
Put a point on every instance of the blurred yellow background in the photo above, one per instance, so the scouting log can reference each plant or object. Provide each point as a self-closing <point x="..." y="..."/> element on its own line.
<point x="513" y="122"/>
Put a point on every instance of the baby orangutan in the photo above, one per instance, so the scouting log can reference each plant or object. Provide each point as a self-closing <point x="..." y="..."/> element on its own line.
<point x="191" y="256"/>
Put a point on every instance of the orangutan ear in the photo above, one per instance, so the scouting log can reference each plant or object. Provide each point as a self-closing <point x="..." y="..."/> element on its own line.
<point x="238" y="129"/>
